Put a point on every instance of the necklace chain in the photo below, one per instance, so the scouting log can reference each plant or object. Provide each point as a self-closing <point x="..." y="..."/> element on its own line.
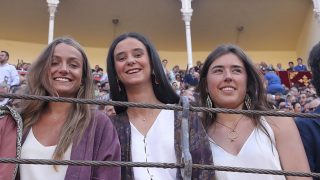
<point x="233" y="134"/>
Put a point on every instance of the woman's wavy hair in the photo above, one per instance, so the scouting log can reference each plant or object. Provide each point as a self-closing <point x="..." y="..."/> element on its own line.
<point x="39" y="83"/>
<point x="255" y="88"/>
<point x="160" y="83"/>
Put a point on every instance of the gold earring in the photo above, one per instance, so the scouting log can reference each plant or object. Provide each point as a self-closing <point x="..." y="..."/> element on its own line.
<point x="209" y="104"/>
<point x="247" y="101"/>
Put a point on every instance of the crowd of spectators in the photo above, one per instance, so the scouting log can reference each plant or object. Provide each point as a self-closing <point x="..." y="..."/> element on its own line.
<point x="184" y="81"/>
<point x="289" y="99"/>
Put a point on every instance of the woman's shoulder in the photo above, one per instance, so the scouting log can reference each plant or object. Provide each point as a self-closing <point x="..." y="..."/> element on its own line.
<point x="281" y="125"/>
<point x="101" y="125"/>
<point x="274" y="121"/>
<point x="100" y="117"/>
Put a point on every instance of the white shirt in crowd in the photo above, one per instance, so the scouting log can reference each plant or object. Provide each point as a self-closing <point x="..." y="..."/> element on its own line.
<point x="8" y="72"/>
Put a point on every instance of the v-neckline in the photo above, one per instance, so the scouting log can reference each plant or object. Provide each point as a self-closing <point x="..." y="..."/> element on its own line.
<point x="153" y="124"/>
<point x="241" y="149"/>
<point x="33" y="136"/>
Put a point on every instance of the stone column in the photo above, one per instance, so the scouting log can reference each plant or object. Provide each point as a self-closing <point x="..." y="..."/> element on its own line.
<point x="316" y="9"/>
<point x="186" y="12"/>
<point x="52" y="4"/>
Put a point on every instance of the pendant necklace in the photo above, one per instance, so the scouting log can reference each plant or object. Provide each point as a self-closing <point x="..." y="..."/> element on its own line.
<point x="232" y="135"/>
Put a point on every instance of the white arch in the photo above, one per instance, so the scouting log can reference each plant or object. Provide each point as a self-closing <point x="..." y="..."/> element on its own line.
<point x="186" y="11"/>
<point x="316" y="9"/>
<point x="52" y="4"/>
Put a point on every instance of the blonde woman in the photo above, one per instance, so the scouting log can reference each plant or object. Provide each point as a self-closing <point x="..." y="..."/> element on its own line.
<point x="55" y="130"/>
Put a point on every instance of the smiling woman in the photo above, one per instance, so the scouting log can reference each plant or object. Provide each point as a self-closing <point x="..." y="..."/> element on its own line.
<point x="66" y="70"/>
<point x="136" y="75"/>
<point x="230" y="80"/>
<point x="64" y="130"/>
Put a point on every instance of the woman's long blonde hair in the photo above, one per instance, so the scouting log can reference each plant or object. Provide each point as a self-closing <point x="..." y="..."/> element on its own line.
<point x="39" y="84"/>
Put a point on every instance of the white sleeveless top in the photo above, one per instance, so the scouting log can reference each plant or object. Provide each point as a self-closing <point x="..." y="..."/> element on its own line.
<point x="33" y="149"/>
<point x="156" y="146"/>
<point x="257" y="152"/>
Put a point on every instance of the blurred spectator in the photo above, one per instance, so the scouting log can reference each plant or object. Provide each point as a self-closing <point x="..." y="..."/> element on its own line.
<point x="300" y="66"/>
<point x="8" y="73"/>
<point x="107" y="109"/>
<point x="291" y="66"/>
<point x="313" y="105"/>
<point x="282" y="106"/>
<point x="296" y="107"/>
<point x="171" y="74"/>
<point x="176" y="87"/>
<point x="96" y="67"/>
<point x="277" y="98"/>
<point x="273" y="81"/>
<point x="189" y="93"/>
<point x="279" y="67"/>
<point x="97" y="74"/>
<point x="271" y="68"/>
<point x="290" y="99"/>
<point x="17" y="89"/>
<point x="271" y="101"/>
<point x="104" y="91"/>
<point x="4" y="88"/>
<point x="198" y="67"/>
<point x="192" y="77"/>
<point x="302" y="100"/>
<point x="110" y="111"/>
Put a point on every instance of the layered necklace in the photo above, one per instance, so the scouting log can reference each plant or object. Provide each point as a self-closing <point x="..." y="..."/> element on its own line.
<point x="233" y="134"/>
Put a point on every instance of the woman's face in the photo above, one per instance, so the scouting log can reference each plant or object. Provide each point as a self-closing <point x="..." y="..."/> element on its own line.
<point x="66" y="70"/>
<point x="132" y="62"/>
<point x="227" y="81"/>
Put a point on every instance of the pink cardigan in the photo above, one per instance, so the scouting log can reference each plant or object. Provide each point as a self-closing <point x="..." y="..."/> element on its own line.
<point x="8" y="136"/>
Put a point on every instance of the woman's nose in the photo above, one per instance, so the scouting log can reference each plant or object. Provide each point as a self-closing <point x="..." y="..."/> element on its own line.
<point x="131" y="60"/>
<point x="228" y="76"/>
<point x="63" y="68"/>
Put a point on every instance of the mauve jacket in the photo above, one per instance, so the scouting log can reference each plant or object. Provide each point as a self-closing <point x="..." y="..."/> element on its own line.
<point x="8" y="136"/>
<point x="99" y="143"/>
<point x="10" y="140"/>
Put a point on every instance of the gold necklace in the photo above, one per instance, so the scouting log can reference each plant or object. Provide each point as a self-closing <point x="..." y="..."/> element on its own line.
<point x="232" y="135"/>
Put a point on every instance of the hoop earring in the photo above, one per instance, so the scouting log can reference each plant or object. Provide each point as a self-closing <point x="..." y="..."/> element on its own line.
<point x="247" y="101"/>
<point x="209" y="104"/>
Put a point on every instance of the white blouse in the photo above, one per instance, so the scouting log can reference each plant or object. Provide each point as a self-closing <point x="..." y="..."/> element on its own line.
<point x="156" y="146"/>
<point x="257" y="152"/>
<point x="33" y="149"/>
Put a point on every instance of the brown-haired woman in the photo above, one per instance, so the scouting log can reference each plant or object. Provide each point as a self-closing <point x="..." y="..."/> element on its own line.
<point x="230" y="80"/>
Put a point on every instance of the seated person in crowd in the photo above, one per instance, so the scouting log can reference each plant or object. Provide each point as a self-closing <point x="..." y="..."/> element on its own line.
<point x="300" y="66"/>
<point x="291" y="66"/>
<point x="272" y="81"/>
